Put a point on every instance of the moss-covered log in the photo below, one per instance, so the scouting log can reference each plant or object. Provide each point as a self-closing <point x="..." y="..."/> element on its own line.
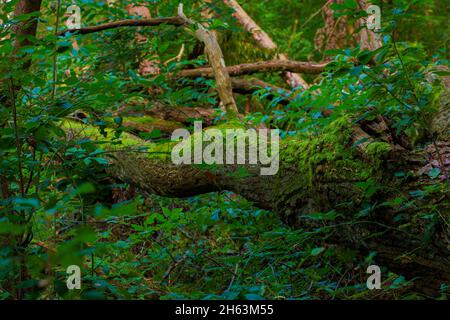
<point x="326" y="185"/>
<point x="381" y="195"/>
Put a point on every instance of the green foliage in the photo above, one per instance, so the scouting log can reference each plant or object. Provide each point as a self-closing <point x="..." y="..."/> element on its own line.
<point x="212" y="247"/>
<point x="58" y="206"/>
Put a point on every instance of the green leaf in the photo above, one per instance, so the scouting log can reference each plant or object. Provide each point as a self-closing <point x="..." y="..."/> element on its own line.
<point x="101" y="161"/>
<point x="350" y="4"/>
<point x="253" y="296"/>
<point x="434" y="173"/>
<point x="317" y="251"/>
<point x="85" y="188"/>
<point x="22" y="202"/>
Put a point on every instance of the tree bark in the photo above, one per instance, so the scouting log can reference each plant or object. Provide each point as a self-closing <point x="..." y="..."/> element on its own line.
<point x="218" y="68"/>
<point x="181" y="114"/>
<point x="338" y="33"/>
<point x="21" y="32"/>
<point x="249" y="86"/>
<point x="28" y="27"/>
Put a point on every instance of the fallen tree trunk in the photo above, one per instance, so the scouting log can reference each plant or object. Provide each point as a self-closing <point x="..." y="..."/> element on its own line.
<point x="185" y="115"/>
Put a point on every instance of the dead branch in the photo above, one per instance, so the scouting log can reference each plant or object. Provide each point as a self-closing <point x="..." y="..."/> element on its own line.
<point x="175" y="21"/>
<point x="255" y="67"/>
<point x="215" y="58"/>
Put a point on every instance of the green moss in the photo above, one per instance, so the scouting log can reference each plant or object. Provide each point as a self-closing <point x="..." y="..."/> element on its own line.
<point x="78" y="128"/>
<point x="152" y="150"/>
<point x="150" y="124"/>
<point x="377" y="150"/>
<point x="160" y="150"/>
<point x="320" y="162"/>
<point x="328" y="148"/>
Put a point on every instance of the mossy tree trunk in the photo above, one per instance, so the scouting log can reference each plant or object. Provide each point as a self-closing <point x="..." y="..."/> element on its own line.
<point x="377" y="197"/>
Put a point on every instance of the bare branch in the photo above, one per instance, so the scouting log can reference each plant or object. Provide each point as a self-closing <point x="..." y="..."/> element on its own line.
<point x="175" y="21"/>
<point x="262" y="39"/>
<point x="262" y="66"/>
<point x="215" y="57"/>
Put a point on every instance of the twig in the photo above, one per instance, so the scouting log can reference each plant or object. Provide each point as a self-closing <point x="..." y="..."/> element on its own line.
<point x="55" y="57"/>
<point x="16" y="133"/>
<point x="177" y="57"/>
<point x="173" y="266"/>
<point x="233" y="277"/>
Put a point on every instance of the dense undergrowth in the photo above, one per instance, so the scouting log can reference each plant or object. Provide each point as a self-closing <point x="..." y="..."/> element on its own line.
<point x="62" y="208"/>
<point x="215" y="246"/>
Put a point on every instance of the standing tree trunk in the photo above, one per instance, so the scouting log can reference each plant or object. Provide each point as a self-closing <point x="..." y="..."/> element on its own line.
<point x="339" y="34"/>
<point x="26" y="29"/>
<point x="22" y="32"/>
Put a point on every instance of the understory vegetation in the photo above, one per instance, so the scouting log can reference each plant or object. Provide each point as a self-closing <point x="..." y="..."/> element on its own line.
<point x="73" y="103"/>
